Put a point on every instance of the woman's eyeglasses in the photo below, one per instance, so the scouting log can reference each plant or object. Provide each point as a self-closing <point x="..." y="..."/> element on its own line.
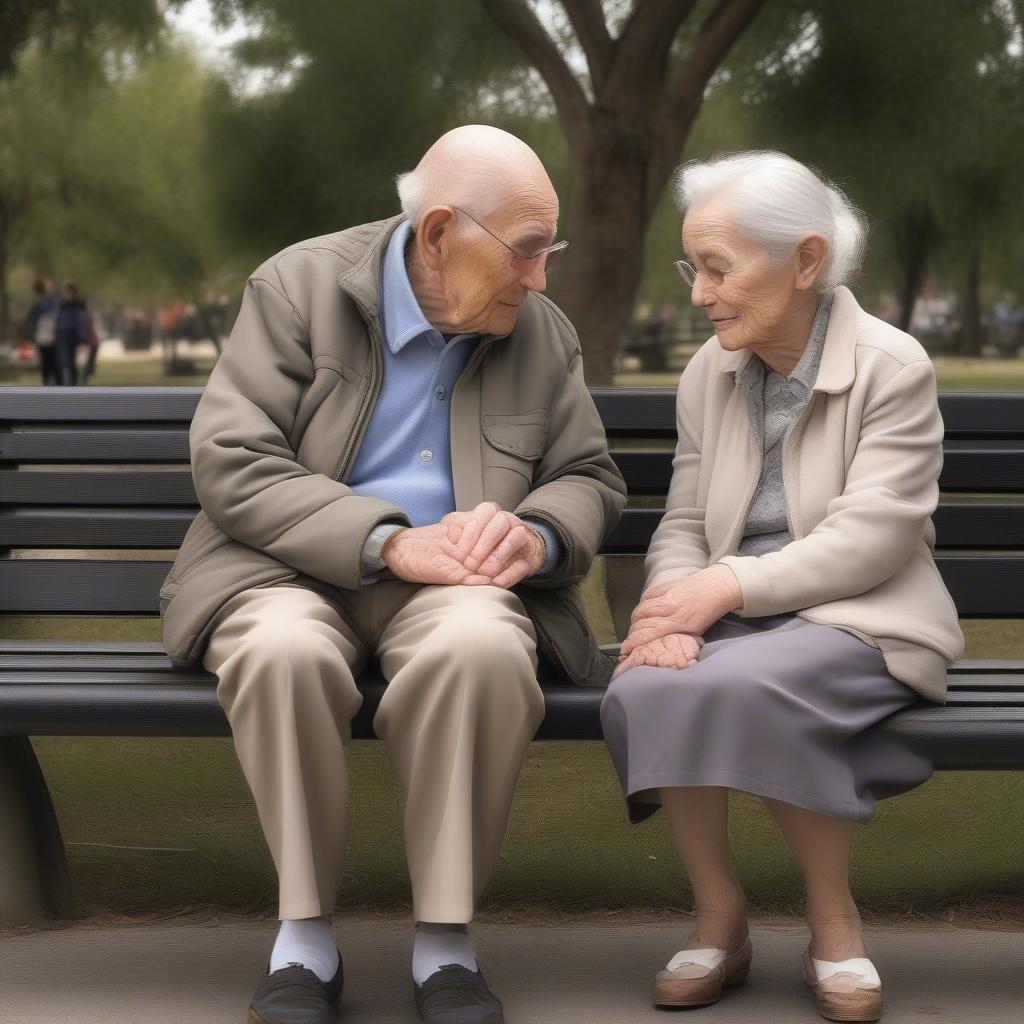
<point x="688" y="272"/>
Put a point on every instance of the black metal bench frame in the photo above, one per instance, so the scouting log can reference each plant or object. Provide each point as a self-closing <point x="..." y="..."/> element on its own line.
<point x="108" y="468"/>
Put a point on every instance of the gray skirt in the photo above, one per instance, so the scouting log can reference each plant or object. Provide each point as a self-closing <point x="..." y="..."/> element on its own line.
<point x="777" y="706"/>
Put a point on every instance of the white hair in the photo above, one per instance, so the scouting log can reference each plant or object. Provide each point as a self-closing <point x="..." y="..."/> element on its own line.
<point x="411" y="195"/>
<point x="776" y="201"/>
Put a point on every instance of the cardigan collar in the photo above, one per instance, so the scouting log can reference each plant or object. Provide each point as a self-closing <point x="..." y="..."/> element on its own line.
<point x="838" y="357"/>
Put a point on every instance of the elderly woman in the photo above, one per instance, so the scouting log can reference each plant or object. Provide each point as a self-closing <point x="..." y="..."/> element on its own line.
<point x="791" y="600"/>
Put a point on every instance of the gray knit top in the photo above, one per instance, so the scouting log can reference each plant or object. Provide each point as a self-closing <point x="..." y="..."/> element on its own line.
<point x="774" y="404"/>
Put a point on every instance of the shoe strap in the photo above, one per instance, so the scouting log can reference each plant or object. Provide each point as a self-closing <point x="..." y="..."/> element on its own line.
<point x="857" y="965"/>
<point x="705" y="957"/>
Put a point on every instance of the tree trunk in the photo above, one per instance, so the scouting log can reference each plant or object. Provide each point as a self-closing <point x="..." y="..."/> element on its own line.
<point x="604" y="266"/>
<point x="971" y="334"/>
<point x="914" y="239"/>
<point x="6" y="332"/>
<point x="205" y="319"/>
<point x="624" y="141"/>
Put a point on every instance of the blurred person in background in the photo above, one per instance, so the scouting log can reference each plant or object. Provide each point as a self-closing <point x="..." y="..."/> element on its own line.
<point x="40" y="328"/>
<point x="72" y="331"/>
<point x="92" y="330"/>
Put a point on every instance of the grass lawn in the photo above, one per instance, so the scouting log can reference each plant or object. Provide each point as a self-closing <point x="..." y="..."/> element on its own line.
<point x="953" y="374"/>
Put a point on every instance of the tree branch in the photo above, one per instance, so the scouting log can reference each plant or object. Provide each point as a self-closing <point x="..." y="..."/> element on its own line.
<point x="520" y="24"/>
<point x="587" y="19"/>
<point x="685" y="95"/>
<point x="646" y="38"/>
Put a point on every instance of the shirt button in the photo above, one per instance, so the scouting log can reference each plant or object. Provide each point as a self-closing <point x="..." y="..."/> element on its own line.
<point x="440" y="392"/>
<point x="426" y="455"/>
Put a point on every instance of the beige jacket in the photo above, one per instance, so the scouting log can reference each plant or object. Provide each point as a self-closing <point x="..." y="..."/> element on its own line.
<point x="860" y="468"/>
<point x="284" y="411"/>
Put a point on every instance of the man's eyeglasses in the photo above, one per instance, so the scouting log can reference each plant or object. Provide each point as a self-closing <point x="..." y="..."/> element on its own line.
<point x="553" y="251"/>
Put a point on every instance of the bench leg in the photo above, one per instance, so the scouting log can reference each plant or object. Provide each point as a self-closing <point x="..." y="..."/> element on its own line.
<point x="35" y="885"/>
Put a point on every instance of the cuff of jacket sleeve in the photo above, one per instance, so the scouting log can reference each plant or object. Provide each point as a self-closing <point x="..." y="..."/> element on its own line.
<point x="758" y="598"/>
<point x="370" y="561"/>
<point x="671" y="575"/>
<point x="552" y="547"/>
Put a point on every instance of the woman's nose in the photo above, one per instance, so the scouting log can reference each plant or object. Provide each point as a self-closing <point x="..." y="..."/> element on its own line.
<point x="699" y="293"/>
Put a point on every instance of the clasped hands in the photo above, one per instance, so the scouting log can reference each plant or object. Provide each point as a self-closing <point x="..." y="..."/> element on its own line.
<point x="487" y="546"/>
<point x="667" y="625"/>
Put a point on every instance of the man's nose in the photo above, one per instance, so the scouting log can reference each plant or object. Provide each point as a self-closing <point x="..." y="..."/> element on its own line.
<point x="535" y="278"/>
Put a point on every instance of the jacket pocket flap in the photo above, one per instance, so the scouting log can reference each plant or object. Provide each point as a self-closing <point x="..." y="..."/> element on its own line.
<point x="521" y="434"/>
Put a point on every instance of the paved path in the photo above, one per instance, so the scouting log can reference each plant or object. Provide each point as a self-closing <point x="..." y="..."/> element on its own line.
<point x="567" y="973"/>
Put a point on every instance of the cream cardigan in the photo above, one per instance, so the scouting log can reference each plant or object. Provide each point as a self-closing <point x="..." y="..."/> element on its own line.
<point x="861" y="469"/>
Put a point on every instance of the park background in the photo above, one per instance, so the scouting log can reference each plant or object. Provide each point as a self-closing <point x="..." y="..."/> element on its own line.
<point x="155" y="153"/>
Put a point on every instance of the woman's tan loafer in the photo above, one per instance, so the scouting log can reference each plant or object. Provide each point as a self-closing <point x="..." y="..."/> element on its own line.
<point x="695" y="977"/>
<point x="845" y="989"/>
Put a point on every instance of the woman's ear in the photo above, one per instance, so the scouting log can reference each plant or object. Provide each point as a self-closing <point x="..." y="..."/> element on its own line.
<point x="432" y="235"/>
<point x="811" y="253"/>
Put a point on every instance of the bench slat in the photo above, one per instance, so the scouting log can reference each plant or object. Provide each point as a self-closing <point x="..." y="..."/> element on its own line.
<point x="957" y="525"/>
<point x="92" y="674"/>
<point x="982" y="586"/>
<point x="625" y="411"/>
<point x="995" y="465"/>
<point x="973" y="738"/>
<point x="67" y="656"/>
<point x="991" y="672"/>
<point x="138" y="488"/>
<point x="95" y="444"/>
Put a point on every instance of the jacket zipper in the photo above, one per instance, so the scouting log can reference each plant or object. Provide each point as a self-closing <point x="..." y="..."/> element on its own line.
<point x="369" y="400"/>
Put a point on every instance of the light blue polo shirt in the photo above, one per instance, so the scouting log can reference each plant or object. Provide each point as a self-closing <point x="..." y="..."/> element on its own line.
<point x="405" y="455"/>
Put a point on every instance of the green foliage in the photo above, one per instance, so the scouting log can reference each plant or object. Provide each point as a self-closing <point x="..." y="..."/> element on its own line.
<point x="917" y="115"/>
<point x="76" y="32"/>
<point x="110" y="174"/>
<point x="356" y="93"/>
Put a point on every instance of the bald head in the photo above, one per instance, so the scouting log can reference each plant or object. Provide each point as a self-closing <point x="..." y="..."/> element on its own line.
<point x="477" y="167"/>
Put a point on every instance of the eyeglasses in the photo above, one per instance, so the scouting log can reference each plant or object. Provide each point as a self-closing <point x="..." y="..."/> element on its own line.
<point x="553" y="251"/>
<point x="688" y="272"/>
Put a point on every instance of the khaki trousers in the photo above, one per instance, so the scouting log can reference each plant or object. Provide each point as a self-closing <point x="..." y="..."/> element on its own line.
<point x="461" y="705"/>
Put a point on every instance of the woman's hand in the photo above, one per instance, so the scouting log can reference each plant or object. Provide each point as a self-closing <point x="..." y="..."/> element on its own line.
<point x="688" y="605"/>
<point x="677" y="650"/>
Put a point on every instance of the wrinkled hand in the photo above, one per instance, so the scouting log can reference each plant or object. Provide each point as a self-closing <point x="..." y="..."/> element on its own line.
<point x="676" y="650"/>
<point x="424" y="554"/>
<point x="496" y="544"/>
<point x="688" y="605"/>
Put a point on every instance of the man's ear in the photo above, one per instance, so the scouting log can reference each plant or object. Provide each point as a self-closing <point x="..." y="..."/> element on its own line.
<point x="811" y="253"/>
<point x="433" y="235"/>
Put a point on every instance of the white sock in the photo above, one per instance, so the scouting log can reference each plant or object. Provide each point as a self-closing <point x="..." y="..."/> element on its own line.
<point x="440" y="944"/>
<point x="310" y="942"/>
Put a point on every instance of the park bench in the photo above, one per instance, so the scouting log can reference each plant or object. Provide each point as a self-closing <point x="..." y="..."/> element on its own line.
<point x="105" y="472"/>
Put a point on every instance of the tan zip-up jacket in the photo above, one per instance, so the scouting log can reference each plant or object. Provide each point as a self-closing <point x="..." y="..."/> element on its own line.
<point x="284" y="411"/>
<point x="860" y="469"/>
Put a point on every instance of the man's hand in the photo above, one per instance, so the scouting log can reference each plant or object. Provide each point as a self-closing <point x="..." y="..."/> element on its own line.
<point x="688" y="605"/>
<point x="424" y="554"/>
<point x="676" y="650"/>
<point x="496" y="544"/>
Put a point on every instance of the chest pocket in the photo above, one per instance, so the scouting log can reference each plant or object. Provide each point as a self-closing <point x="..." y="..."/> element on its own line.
<point x="515" y="441"/>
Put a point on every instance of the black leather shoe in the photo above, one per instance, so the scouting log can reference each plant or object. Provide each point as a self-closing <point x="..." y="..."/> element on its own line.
<point x="295" y="995"/>
<point x="456" y="995"/>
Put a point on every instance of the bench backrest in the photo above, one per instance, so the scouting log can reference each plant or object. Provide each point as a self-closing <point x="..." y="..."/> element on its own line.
<point x="87" y="472"/>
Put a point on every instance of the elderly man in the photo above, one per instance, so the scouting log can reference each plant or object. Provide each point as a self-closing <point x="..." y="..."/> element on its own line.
<point x="396" y="456"/>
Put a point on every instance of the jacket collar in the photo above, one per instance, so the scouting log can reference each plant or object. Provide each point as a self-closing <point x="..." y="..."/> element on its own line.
<point x="362" y="280"/>
<point x="838" y="357"/>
